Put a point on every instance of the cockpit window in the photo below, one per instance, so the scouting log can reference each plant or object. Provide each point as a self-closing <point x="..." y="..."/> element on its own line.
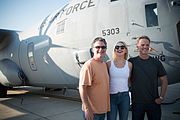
<point x="151" y="15"/>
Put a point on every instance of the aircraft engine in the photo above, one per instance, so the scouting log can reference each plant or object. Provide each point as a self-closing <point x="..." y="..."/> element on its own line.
<point x="10" y="73"/>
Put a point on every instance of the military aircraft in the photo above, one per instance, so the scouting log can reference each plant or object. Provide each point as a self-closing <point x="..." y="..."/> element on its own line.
<point x="51" y="54"/>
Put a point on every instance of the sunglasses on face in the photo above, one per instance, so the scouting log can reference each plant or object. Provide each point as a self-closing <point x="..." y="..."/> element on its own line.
<point x="122" y="47"/>
<point x="102" y="47"/>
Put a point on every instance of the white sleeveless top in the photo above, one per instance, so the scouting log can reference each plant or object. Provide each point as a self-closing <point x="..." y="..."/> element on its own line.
<point x="118" y="78"/>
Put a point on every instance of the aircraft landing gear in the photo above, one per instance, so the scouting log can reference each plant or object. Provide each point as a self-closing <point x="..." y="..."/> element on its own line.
<point x="64" y="91"/>
<point x="3" y="91"/>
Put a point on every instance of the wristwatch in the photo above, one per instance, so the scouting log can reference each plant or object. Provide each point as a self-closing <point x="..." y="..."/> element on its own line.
<point x="162" y="98"/>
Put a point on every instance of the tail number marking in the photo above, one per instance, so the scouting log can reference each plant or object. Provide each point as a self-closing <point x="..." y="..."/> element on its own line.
<point x="112" y="31"/>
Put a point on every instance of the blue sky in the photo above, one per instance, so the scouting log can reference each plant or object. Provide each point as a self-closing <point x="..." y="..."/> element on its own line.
<point x="22" y="14"/>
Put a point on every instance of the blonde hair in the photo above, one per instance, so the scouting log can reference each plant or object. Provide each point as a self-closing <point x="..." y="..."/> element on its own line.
<point x="114" y="56"/>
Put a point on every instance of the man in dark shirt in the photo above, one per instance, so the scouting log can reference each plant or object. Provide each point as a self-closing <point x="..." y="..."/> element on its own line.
<point x="145" y="75"/>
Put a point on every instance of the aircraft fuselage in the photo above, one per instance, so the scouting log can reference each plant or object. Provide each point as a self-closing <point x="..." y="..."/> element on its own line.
<point x="51" y="54"/>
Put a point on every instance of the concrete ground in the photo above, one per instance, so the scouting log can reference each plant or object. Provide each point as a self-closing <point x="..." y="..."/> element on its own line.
<point x="34" y="104"/>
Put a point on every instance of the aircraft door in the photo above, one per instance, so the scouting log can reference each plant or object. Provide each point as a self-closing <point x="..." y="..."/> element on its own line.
<point x="143" y="20"/>
<point x="30" y="53"/>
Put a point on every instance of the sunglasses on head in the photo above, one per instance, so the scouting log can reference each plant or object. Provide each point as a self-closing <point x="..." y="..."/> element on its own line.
<point x="122" y="47"/>
<point x="102" y="47"/>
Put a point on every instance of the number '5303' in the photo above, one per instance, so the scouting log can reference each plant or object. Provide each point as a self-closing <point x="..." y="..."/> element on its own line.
<point x="111" y="31"/>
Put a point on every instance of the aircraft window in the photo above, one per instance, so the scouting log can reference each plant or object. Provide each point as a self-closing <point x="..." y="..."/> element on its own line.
<point x="31" y="57"/>
<point x="60" y="27"/>
<point x="151" y="15"/>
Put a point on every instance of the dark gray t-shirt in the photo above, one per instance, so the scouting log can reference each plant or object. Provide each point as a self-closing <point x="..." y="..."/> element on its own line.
<point x="145" y="74"/>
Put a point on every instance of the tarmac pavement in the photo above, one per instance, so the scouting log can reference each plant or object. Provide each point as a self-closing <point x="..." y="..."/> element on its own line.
<point x="35" y="104"/>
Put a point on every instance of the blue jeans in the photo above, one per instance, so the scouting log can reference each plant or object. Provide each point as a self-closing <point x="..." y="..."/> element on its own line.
<point x="152" y="110"/>
<point x="119" y="102"/>
<point x="96" y="116"/>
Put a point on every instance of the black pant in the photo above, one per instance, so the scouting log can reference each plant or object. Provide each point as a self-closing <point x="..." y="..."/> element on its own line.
<point x="152" y="110"/>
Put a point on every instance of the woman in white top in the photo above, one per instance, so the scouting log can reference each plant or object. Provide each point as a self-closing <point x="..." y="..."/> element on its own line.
<point x="119" y="71"/>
